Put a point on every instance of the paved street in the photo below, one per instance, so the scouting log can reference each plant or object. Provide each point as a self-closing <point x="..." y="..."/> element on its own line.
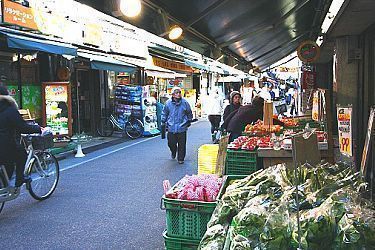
<point x="108" y="199"/>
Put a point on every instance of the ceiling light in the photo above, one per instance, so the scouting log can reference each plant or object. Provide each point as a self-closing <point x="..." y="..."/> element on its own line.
<point x="220" y="57"/>
<point x="175" y="32"/>
<point x="331" y="15"/>
<point x="130" y="8"/>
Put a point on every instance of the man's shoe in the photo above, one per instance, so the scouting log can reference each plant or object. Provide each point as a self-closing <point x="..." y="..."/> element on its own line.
<point x="26" y="179"/>
<point x="180" y="162"/>
<point x="173" y="156"/>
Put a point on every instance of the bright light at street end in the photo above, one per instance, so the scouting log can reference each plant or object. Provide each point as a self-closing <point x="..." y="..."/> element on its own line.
<point x="175" y="33"/>
<point x="130" y="8"/>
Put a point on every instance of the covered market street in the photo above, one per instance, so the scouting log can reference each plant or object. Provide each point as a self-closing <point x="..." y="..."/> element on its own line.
<point x="108" y="199"/>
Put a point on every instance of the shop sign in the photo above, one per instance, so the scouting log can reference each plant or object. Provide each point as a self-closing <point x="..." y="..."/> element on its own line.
<point x="175" y="83"/>
<point x="344" y="118"/>
<point x="308" y="51"/>
<point x="56" y="93"/>
<point x="17" y="14"/>
<point x="315" y="108"/>
<point x="171" y="65"/>
<point x="93" y="34"/>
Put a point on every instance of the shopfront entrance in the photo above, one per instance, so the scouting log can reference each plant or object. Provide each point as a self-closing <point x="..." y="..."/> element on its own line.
<point x="87" y="100"/>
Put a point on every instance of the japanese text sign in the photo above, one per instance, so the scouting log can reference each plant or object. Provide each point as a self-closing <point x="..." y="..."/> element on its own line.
<point x="344" y="119"/>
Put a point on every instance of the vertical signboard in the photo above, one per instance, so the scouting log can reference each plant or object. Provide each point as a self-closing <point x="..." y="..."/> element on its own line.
<point x="344" y="121"/>
<point x="57" y="107"/>
<point x="315" y="108"/>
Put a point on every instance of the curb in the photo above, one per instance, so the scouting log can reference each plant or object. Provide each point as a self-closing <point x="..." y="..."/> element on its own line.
<point x="91" y="148"/>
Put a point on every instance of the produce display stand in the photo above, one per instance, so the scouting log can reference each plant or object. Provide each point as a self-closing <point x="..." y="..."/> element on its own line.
<point x="270" y="157"/>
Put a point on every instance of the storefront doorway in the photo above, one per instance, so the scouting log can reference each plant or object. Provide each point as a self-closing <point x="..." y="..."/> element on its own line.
<point x="88" y="101"/>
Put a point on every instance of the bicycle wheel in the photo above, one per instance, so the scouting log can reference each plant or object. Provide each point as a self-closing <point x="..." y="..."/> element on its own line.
<point x="1" y="186"/>
<point x="44" y="176"/>
<point x="134" y="128"/>
<point x="105" y="127"/>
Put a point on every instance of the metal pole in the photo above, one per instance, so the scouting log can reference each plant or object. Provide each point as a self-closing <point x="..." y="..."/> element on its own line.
<point x="296" y="176"/>
<point x="19" y="80"/>
<point x="372" y="166"/>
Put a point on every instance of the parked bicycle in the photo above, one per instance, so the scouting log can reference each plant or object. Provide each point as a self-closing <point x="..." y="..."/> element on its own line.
<point x="130" y="125"/>
<point x="41" y="166"/>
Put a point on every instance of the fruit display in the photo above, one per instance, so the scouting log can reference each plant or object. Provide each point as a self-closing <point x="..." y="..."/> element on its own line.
<point x="260" y="211"/>
<point x="260" y="129"/>
<point x="203" y="187"/>
<point x="289" y="122"/>
<point x="250" y="143"/>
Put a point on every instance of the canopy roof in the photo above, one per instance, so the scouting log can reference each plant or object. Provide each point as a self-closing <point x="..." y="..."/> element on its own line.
<point x="259" y="32"/>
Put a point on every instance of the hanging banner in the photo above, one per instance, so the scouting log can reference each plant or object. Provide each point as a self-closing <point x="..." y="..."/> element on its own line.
<point x="315" y="108"/>
<point x="344" y="121"/>
<point x="308" y="80"/>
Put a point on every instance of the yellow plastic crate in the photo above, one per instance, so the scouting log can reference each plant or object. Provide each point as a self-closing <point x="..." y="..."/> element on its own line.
<point x="207" y="158"/>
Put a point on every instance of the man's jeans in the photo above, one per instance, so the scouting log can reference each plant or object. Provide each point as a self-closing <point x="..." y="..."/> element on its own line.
<point x="177" y="144"/>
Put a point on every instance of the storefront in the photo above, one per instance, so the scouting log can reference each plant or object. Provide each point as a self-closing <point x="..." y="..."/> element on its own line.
<point x="24" y="74"/>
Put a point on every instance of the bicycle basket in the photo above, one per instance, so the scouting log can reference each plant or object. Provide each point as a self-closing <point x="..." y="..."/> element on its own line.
<point x="42" y="142"/>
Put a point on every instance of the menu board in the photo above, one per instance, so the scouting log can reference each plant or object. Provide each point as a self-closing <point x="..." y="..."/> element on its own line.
<point x="344" y="118"/>
<point x="57" y="108"/>
<point x="369" y="132"/>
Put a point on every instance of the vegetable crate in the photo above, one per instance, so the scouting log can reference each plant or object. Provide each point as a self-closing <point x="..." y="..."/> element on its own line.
<point x="240" y="162"/>
<point x="187" y="219"/>
<point x="207" y="158"/>
<point x="172" y="243"/>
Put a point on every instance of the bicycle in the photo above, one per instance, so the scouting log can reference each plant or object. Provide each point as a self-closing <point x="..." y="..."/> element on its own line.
<point x="41" y="166"/>
<point x="132" y="126"/>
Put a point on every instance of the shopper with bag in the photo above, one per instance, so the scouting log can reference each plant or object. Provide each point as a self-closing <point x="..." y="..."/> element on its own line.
<point x="176" y="118"/>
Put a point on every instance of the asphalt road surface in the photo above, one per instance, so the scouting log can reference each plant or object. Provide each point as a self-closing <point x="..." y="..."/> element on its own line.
<point x="109" y="199"/>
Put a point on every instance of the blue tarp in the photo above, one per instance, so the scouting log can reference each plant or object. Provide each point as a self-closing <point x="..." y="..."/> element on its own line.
<point x="196" y="65"/>
<point x="37" y="44"/>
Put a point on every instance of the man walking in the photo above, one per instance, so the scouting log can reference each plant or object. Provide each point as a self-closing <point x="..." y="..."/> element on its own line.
<point x="177" y="117"/>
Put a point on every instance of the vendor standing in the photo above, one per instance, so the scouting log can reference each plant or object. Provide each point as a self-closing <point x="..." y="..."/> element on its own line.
<point x="246" y="115"/>
<point x="234" y="104"/>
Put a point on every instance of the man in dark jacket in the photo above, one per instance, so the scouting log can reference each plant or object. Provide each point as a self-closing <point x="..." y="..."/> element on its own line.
<point x="11" y="122"/>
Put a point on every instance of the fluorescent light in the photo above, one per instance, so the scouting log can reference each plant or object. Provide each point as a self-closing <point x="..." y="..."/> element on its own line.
<point x="130" y="8"/>
<point x="331" y="15"/>
<point x="220" y="57"/>
<point x="319" y="40"/>
<point x="175" y="32"/>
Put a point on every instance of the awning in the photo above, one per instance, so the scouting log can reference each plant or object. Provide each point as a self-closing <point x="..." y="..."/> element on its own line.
<point x="135" y="61"/>
<point x="196" y="65"/>
<point x="104" y="62"/>
<point x="38" y="44"/>
<point x="155" y="71"/>
<point x="230" y="79"/>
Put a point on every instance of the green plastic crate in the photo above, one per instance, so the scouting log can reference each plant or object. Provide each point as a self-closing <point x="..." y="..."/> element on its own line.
<point x="240" y="162"/>
<point x="187" y="219"/>
<point x="172" y="243"/>
<point x="241" y="155"/>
